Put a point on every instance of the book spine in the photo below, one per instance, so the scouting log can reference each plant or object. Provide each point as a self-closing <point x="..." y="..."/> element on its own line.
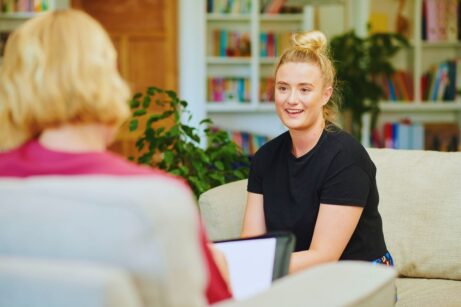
<point x="452" y="20"/>
<point x="431" y="20"/>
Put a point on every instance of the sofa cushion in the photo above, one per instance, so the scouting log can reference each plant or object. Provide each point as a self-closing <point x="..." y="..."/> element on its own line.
<point x="420" y="203"/>
<point x="416" y="292"/>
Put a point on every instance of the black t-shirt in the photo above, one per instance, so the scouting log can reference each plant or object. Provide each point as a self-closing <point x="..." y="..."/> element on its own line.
<point x="337" y="171"/>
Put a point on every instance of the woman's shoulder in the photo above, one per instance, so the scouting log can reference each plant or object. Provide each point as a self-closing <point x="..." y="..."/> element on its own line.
<point x="346" y="147"/>
<point x="343" y="141"/>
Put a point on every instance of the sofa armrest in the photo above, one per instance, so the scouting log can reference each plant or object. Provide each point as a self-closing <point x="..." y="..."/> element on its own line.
<point x="344" y="283"/>
<point x="34" y="282"/>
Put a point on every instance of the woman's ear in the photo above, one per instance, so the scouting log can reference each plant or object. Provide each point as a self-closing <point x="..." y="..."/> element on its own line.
<point x="327" y="92"/>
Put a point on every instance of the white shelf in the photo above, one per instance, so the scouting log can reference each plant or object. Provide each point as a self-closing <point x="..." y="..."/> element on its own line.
<point x="228" y="60"/>
<point x="427" y="106"/>
<point x="228" y="17"/>
<point x="281" y="18"/>
<point x="20" y="15"/>
<point x="10" y="21"/>
<point x="268" y="60"/>
<point x="238" y="107"/>
<point x="456" y="44"/>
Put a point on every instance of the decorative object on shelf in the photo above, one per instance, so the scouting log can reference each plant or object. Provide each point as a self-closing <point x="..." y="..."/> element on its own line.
<point x="442" y="136"/>
<point x="358" y="61"/>
<point x="402" y="24"/>
<point x="176" y="147"/>
<point x="3" y="38"/>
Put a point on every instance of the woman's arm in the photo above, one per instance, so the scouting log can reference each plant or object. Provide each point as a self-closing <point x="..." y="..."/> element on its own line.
<point x="333" y="229"/>
<point x="253" y="221"/>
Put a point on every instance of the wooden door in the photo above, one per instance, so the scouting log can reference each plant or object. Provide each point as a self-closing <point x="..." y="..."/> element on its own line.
<point x="144" y="34"/>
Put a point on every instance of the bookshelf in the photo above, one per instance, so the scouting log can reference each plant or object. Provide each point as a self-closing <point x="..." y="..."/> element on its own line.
<point x="430" y="103"/>
<point x="256" y="115"/>
<point x="207" y="63"/>
<point x="15" y="12"/>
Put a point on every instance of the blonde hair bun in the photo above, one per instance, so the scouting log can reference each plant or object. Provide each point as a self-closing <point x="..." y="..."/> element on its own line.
<point x="313" y="40"/>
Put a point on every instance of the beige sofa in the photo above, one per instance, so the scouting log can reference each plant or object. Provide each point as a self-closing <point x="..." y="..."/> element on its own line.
<point x="105" y="241"/>
<point x="420" y="203"/>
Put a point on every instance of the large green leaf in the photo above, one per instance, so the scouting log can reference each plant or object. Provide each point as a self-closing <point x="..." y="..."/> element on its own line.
<point x="133" y="125"/>
<point x="179" y="143"/>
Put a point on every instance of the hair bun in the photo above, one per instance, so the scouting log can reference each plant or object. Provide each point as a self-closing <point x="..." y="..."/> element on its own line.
<point x="313" y="40"/>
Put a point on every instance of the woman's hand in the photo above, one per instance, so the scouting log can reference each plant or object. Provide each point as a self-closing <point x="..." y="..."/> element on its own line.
<point x="221" y="263"/>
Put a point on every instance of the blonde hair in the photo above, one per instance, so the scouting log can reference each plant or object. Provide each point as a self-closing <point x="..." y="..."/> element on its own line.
<point x="311" y="47"/>
<point x="59" y="68"/>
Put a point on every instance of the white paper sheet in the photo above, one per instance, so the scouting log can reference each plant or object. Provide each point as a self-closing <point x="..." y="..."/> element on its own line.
<point x="251" y="264"/>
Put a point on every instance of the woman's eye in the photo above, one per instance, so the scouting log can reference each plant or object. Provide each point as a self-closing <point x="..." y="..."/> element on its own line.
<point x="305" y="90"/>
<point x="282" y="88"/>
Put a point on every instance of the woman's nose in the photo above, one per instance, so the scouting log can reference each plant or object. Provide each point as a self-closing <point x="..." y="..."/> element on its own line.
<point x="292" y="97"/>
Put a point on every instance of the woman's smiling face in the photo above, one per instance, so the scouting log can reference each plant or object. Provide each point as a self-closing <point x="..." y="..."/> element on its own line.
<point x="300" y="95"/>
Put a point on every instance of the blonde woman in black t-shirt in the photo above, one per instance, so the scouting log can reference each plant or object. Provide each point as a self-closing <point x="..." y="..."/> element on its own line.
<point x="314" y="180"/>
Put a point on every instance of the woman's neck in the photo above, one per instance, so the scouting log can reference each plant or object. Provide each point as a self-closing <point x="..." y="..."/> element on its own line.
<point x="77" y="138"/>
<point x="303" y="141"/>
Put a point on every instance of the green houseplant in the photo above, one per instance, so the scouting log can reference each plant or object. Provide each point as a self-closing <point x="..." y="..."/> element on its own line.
<point x="166" y="142"/>
<point x="358" y="60"/>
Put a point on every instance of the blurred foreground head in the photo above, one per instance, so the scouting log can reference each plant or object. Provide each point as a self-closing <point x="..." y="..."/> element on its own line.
<point x="59" y="68"/>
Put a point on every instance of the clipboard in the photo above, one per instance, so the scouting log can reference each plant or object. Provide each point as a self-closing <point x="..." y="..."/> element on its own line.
<point x="255" y="262"/>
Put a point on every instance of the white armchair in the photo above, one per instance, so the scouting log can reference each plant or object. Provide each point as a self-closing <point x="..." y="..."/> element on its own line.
<point x="143" y="226"/>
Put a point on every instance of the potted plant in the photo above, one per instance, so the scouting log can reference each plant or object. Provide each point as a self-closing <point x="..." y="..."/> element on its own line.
<point x="358" y="60"/>
<point x="167" y="143"/>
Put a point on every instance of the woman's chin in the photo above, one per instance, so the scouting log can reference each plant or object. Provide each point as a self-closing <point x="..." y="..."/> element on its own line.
<point x="293" y="123"/>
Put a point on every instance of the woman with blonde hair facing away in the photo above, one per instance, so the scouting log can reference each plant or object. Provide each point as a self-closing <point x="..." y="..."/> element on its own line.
<point x="61" y="103"/>
<point x="314" y="180"/>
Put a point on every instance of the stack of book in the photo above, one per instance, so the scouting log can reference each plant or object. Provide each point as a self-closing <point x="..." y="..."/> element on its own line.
<point x="14" y="6"/>
<point x="398" y="86"/>
<point x="440" y="82"/>
<point x="228" y="89"/>
<point x="228" y="6"/>
<point x="231" y="43"/>
<point x="273" y="44"/>
<point x="428" y="136"/>
<point x="248" y="142"/>
<point x="401" y="135"/>
<point x="281" y="7"/>
<point x="440" y="21"/>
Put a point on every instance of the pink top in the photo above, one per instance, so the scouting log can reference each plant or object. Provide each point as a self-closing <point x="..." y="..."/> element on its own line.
<point x="32" y="159"/>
